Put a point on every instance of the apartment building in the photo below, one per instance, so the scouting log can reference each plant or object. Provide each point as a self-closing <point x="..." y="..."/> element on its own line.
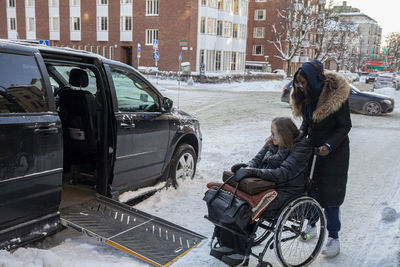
<point x="263" y="14"/>
<point x="212" y="32"/>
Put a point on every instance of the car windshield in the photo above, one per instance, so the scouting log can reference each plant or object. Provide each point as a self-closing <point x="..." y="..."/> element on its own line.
<point x="373" y="75"/>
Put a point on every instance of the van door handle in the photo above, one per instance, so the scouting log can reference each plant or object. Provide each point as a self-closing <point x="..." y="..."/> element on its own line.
<point x="45" y="130"/>
<point x="127" y="125"/>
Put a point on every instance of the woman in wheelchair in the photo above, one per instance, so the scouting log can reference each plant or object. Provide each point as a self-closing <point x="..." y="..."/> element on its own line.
<point x="283" y="162"/>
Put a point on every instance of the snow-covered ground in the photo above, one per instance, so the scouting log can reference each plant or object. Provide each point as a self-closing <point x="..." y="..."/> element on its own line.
<point x="235" y="120"/>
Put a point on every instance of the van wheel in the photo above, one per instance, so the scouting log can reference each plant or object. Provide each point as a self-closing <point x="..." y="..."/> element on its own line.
<point x="183" y="164"/>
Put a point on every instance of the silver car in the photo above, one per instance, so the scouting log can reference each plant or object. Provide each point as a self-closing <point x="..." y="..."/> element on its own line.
<point x="385" y="81"/>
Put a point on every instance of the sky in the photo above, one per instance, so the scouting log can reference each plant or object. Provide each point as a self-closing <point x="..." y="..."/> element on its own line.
<point x="385" y="12"/>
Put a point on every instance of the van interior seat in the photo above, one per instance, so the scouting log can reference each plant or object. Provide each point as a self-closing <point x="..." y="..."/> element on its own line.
<point x="78" y="118"/>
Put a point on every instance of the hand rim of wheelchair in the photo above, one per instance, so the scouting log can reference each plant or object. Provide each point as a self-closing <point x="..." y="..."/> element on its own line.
<point x="284" y="216"/>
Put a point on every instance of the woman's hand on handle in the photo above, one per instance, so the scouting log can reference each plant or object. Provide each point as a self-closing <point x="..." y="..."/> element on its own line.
<point x="323" y="151"/>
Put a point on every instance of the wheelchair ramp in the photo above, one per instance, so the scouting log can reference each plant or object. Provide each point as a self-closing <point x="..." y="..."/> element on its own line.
<point x="147" y="237"/>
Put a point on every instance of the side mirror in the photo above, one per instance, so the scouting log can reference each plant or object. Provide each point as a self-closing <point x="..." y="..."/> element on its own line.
<point x="167" y="104"/>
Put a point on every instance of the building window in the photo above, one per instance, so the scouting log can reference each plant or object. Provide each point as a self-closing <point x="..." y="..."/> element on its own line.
<point x="261" y="0"/>
<point x="243" y="8"/>
<point x="85" y="48"/>
<point x="258" y="32"/>
<point x="102" y="2"/>
<point x="75" y="2"/>
<point x="219" y="28"/>
<point x="228" y="29"/>
<point x="218" y="60"/>
<point x="151" y="7"/>
<point x="258" y="50"/>
<point x="203" y="25"/>
<point x="211" y="26"/>
<point x="126" y="1"/>
<point x="102" y="24"/>
<point x="53" y="3"/>
<point x="31" y="24"/>
<point x="111" y="52"/>
<point x="92" y="48"/>
<point x="104" y="51"/>
<point x="221" y="4"/>
<point x="12" y="24"/>
<point x="126" y="23"/>
<point x="210" y="60"/>
<point x="228" y="5"/>
<point x="233" y="61"/>
<point x="212" y="3"/>
<point x="79" y="47"/>
<point x="30" y="3"/>
<point x="11" y="3"/>
<point x="235" y="31"/>
<point x="54" y="24"/>
<point x="236" y="6"/>
<point x="203" y="2"/>
<point x="242" y="31"/>
<point x="259" y="14"/>
<point x="76" y="23"/>
<point x="98" y="50"/>
<point x="150" y="36"/>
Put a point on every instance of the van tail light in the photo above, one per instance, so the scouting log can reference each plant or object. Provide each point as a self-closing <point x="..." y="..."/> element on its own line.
<point x="285" y="90"/>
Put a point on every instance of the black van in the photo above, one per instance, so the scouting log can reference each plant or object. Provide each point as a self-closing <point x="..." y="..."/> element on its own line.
<point x="73" y="124"/>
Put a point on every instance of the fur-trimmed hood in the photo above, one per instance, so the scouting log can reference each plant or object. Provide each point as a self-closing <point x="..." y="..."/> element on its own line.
<point x="334" y="93"/>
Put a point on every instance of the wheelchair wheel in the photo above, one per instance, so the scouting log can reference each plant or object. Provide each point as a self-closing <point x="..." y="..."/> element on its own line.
<point x="290" y="246"/>
<point x="261" y="234"/>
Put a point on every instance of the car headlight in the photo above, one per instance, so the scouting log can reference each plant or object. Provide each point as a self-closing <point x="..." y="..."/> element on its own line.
<point x="387" y="102"/>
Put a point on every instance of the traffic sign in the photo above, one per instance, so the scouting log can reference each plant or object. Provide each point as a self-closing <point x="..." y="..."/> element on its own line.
<point x="156" y="55"/>
<point x="139" y="50"/>
<point x="155" y="44"/>
<point x="44" y="42"/>
<point x="180" y="56"/>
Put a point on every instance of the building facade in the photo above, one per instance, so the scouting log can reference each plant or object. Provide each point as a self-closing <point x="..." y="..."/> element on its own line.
<point x="212" y="32"/>
<point x="263" y="14"/>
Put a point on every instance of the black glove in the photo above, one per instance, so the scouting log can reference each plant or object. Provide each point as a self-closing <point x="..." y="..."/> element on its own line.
<point x="237" y="166"/>
<point x="243" y="173"/>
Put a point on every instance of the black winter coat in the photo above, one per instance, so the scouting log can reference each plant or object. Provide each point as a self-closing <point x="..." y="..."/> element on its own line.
<point x="330" y="124"/>
<point x="291" y="174"/>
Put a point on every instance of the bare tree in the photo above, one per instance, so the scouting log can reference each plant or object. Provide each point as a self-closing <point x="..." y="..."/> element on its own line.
<point x="296" y="21"/>
<point x="341" y="44"/>
<point x="393" y="50"/>
<point x="325" y="40"/>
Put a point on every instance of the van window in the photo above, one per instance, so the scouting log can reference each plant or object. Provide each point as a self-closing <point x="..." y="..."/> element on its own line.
<point x="133" y="94"/>
<point x="21" y="85"/>
<point x="64" y="71"/>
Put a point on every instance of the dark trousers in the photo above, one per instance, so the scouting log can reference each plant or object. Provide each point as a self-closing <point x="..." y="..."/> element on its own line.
<point x="333" y="221"/>
<point x="332" y="215"/>
<point x="230" y="240"/>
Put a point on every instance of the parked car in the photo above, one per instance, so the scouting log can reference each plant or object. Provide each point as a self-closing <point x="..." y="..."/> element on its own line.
<point x="350" y="76"/>
<point x="365" y="102"/>
<point x="286" y="92"/>
<point x="385" y="80"/>
<point x="371" y="77"/>
<point x="74" y="116"/>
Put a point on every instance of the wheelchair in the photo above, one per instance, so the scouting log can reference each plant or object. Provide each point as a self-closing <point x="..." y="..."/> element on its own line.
<point x="284" y="232"/>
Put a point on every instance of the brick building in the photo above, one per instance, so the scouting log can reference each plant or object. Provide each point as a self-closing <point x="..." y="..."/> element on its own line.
<point x="208" y="31"/>
<point x="262" y="15"/>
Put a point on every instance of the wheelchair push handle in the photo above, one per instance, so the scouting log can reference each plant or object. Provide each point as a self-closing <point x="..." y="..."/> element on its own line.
<point x="315" y="153"/>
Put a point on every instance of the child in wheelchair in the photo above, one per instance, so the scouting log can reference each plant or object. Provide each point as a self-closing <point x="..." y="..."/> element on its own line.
<point x="277" y="173"/>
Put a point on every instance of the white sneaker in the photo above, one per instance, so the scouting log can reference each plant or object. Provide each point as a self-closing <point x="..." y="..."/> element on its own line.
<point x="309" y="233"/>
<point x="332" y="247"/>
